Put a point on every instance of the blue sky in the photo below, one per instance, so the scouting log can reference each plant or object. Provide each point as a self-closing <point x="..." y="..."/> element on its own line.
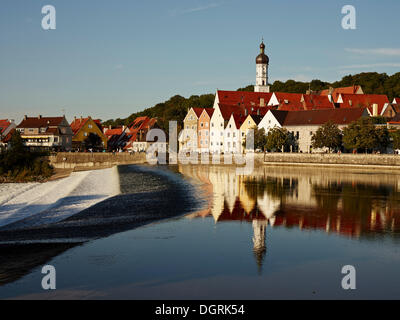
<point x="109" y="59"/>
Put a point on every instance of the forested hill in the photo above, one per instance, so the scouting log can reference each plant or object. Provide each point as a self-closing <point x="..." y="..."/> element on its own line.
<point x="176" y="107"/>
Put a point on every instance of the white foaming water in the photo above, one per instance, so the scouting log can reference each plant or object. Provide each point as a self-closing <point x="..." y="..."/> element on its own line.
<point x="34" y="204"/>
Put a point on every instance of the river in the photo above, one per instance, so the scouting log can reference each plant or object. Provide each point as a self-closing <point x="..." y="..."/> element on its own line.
<point x="206" y="233"/>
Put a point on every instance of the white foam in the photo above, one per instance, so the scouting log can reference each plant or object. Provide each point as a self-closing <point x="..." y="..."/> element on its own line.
<point x="33" y="204"/>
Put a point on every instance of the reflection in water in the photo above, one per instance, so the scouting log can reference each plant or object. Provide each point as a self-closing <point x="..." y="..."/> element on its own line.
<point x="361" y="206"/>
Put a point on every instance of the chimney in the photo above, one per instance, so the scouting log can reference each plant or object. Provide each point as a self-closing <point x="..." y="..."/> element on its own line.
<point x="25" y="117"/>
<point x="375" y="110"/>
<point x="245" y="112"/>
<point x="258" y="112"/>
<point x="39" y="116"/>
<point x="350" y="103"/>
<point x="262" y="102"/>
<point x="330" y="97"/>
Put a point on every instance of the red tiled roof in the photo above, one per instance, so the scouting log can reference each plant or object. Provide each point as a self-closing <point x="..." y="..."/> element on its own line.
<point x="239" y="119"/>
<point x="8" y="137"/>
<point x="313" y="101"/>
<point x="288" y="98"/>
<point x="198" y="111"/>
<point x="337" y="91"/>
<point x="364" y="101"/>
<point x="41" y="122"/>
<point x="227" y="110"/>
<point x="243" y="97"/>
<point x="112" y="132"/>
<point x="4" y="124"/>
<point x="210" y="111"/>
<point x="319" y="117"/>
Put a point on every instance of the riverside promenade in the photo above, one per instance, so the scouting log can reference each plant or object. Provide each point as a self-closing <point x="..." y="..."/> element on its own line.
<point x="85" y="161"/>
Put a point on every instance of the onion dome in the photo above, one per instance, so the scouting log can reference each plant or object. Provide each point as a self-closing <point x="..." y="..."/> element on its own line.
<point x="262" y="58"/>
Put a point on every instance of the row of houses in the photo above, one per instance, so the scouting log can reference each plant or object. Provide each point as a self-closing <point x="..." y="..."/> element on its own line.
<point x="223" y="128"/>
<point x="55" y="133"/>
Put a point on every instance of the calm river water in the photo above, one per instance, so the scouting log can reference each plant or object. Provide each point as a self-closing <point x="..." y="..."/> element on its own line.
<point x="279" y="233"/>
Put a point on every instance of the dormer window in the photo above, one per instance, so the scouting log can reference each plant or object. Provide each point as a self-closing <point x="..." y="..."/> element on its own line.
<point x="42" y="130"/>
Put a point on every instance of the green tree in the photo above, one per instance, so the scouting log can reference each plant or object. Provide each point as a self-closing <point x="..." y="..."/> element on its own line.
<point x="327" y="136"/>
<point x="260" y="139"/>
<point x="278" y="138"/>
<point x="93" y="141"/>
<point x="362" y="134"/>
<point x="395" y="135"/>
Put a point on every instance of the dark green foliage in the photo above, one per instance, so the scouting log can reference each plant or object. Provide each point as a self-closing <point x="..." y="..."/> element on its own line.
<point x="371" y="82"/>
<point x="18" y="164"/>
<point x="249" y="88"/>
<point x="278" y="138"/>
<point x="395" y="135"/>
<point x="175" y="109"/>
<point x="363" y="135"/>
<point x="93" y="141"/>
<point x="327" y="136"/>
<point x="260" y="139"/>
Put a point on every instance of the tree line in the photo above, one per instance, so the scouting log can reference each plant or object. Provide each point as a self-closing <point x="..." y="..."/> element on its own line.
<point x="175" y="108"/>
<point x="361" y="136"/>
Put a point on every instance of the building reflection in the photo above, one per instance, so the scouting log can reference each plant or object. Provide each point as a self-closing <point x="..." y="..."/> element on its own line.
<point x="350" y="205"/>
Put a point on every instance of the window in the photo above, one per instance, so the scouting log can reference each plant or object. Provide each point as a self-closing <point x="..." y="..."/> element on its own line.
<point x="234" y="135"/>
<point x="85" y="134"/>
<point x="202" y="125"/>
<point x="212" y="125"/>
<point x="90" y="126"/>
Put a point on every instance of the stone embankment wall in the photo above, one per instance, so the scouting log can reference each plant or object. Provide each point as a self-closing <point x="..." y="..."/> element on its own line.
<point x="368" y="160"/>
<point x="65" y="160"/>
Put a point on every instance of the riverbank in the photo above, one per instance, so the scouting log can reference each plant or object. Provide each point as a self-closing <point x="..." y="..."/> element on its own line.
<point x="363" y="162"/>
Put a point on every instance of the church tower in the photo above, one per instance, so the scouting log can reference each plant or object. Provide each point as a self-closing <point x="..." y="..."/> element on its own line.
<point x="262" y="62"/>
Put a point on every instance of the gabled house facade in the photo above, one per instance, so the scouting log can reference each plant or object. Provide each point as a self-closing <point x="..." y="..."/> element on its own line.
<point x="82" y="128"/>
<point x="232" y="138"/>
<point x="188" y="138"/>
<point x="49" y="133"/>
<point x="203" y="132"/>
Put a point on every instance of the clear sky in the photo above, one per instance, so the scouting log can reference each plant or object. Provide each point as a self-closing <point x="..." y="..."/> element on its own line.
<point x="109" y="59"/>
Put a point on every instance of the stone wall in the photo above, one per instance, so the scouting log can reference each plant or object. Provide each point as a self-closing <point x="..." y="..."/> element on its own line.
<point x="66" y="160"/>
<point x="334" y="159"/>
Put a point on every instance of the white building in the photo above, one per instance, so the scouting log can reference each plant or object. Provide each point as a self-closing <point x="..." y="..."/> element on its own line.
<point x="232" y="139"/>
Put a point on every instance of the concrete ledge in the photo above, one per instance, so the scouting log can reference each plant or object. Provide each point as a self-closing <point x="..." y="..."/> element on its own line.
<point x="66" y="160"/>
<point x="356" y="160"/>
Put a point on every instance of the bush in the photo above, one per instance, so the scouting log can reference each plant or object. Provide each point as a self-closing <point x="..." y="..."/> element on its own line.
<point x="19" y="164"/>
